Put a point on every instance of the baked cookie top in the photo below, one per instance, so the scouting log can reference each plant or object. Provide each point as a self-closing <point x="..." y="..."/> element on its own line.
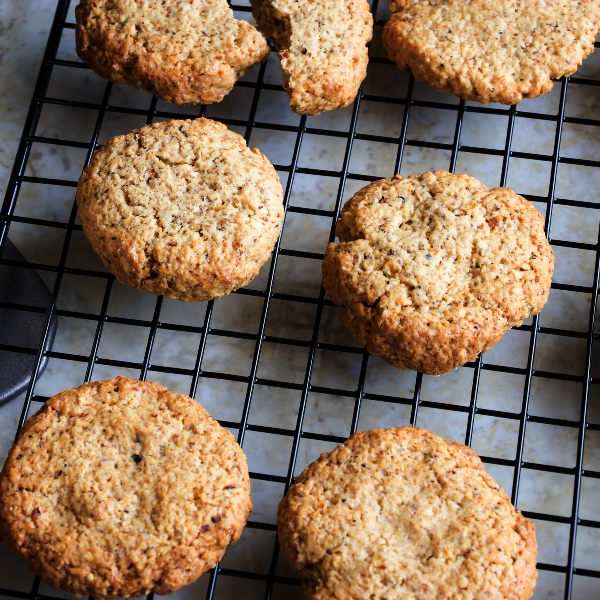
<point x="121" y="487"/>
<point x="322" y="47"/>
<point x="404" y="514"/>
<point x="432" y="269"/>
<point x="492" y="50"/>
<point x="185" y="51"/>
<point x="181" y="208"/>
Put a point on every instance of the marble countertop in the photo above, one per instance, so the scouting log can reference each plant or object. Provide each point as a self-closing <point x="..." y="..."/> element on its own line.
<point x="22" y="44"/>
<point x="24" y="26"/>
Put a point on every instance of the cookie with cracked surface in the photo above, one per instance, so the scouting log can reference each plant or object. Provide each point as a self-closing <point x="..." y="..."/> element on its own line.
<point x="491" y="50"/>
<point x="433" y="269"/>
<point x="181" y="208"/>
<point x="185" y="51"/>
<point x="322" y="47"/>
<point x="404" y="514"/>
<point x="121" y="488"/>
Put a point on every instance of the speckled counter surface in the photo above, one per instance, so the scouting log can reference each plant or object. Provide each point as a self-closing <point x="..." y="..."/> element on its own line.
<point x="23" y="27"/>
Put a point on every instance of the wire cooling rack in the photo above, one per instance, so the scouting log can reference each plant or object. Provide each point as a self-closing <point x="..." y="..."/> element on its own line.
<point x="290" y="332"/>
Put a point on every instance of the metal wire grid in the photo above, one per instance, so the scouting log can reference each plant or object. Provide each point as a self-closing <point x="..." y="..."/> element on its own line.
<point x="269" y="576"/>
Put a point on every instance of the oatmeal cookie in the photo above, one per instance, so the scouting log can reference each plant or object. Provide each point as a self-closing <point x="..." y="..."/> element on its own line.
<point x="182" y="208"/>
<point x="403" y="514"/>
<point x="491" y="50"/>
<point x="322" y="47"/>
<point x="122" y="488"/>
<point x="433" y="269"/>
<point x="185" y="51"/>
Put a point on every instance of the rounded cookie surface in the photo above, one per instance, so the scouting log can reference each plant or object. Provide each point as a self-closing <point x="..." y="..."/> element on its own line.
<point x="433" y="269"/>
<point x="185" y="51"/>
<point x="322" y="47"/>
<point x="492" y="50"/>
<point x="404" y="514"/>
<point x="121" y="487"/>
<point x="181" y="208"/>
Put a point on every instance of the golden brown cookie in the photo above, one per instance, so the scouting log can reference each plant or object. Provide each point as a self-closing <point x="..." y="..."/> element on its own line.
<point x="402" y="514"/>
<point x="322" y="47"/>
<point x="433" y="269"/>
<point x="491" y="50"/>
<point x="185" y="51"/>
<point x="181" y="208"/>
<point x="121" y="488"/>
